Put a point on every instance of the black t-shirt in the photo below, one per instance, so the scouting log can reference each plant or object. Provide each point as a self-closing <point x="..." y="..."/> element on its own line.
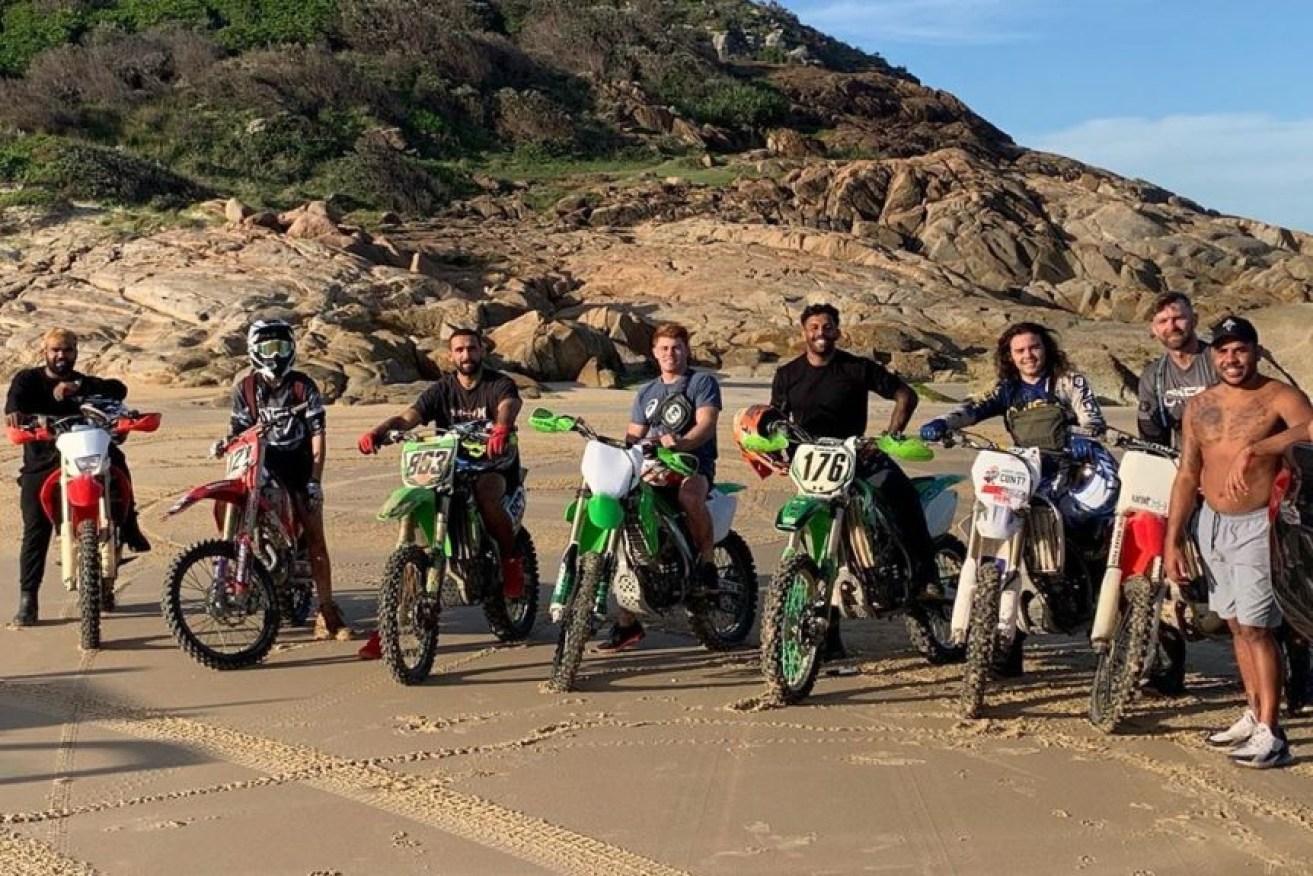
<point x="33" y="393"/>
<point x="830" y="401"/>
<point x="446" y="402"/>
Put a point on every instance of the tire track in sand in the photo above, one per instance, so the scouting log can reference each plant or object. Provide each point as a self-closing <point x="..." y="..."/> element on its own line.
<point x="418" y="799"/>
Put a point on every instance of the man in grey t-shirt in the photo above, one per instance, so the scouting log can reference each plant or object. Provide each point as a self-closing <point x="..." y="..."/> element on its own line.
<point x="679" y="409"/>
<point x="1182" y="372"/>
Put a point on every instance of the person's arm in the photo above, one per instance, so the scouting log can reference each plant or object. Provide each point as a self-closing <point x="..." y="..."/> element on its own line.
<point x="888" y="385"/>
<point x="317" y="419"/>
<point x="1085" y="404"/>
<point x="16" y="400"/>
<point x="1185" y="493"/>
<point x="240" y="417"/>
<point x="406" y="420"/>
<point x="1148" y="420"/>
<point x="905" y="402"/>
<point x="702" y="431"/>
<point x="976" y="409"/>
<point x="106" y="388"/>
<point x="1293" y="407"/>
<point x="779" y="394"/>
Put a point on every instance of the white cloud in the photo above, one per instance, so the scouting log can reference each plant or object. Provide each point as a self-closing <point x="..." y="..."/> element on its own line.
<point x="1242" y="163"/>
<point x="881" y="22"/>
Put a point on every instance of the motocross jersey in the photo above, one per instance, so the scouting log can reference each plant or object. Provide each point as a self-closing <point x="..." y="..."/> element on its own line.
<point x="286" y="433"/>
<point x="1164" y="390"/>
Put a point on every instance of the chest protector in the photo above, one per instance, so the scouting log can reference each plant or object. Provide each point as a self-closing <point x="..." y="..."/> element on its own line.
<point x="675" y="412"/>
<point x="1042" y="424"/>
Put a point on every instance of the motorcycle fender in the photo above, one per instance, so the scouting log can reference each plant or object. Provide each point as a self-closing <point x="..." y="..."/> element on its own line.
<point x="799" y="512"/>
<point x="416" y="503"/>
<point x="231" y="492"/>
<point x="602" y="514"/>
<point x="83" y="494"/>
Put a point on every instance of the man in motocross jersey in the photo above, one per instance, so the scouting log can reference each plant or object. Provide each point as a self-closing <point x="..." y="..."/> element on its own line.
<point x="296" y="450"/>
<point x="1040" y="398"/>
<point x="54" y="389"/>
<point x="1228" y="431"/>
<point x="471" y="392"/>
<point x="679" y="409"/>
<point x="825" y="392"/>
<point x="1183" y="371"/>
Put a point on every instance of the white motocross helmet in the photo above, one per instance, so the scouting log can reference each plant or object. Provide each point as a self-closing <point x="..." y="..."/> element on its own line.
<point x="271" y="346"/>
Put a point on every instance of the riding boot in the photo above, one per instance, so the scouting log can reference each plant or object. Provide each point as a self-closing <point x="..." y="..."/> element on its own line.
<point x="132" y="536"/>
<point x="27" y="609"/>
<point x="833" y="648"/>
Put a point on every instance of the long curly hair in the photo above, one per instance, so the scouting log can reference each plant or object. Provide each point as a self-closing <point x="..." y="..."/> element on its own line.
<point x="1055" y="361"/>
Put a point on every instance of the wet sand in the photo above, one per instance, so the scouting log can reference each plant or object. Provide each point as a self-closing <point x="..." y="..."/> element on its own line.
<point x="136" y="759"/>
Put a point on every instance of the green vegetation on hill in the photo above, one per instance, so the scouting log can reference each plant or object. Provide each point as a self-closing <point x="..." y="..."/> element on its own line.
<point x="384" y="104"/>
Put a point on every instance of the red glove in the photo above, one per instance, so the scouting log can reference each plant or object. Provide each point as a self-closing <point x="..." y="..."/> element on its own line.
<point x="498" y="438"/>
<point x="368" y="443"/>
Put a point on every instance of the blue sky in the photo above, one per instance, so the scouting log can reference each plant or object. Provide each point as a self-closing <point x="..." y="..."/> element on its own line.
<point x="1212" y="99"/>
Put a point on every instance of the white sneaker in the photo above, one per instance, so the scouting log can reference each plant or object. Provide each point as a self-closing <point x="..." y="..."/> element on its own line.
<point x="1263" y="750"/>
<point x="1237" y="734"/>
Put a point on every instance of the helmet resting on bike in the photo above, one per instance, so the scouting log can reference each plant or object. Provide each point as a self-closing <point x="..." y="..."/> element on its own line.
<point x="759" y="422"/>
<point x="271" y="346"/>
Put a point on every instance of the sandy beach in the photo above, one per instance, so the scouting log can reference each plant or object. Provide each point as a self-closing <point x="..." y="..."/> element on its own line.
<point x="135" y="759"/>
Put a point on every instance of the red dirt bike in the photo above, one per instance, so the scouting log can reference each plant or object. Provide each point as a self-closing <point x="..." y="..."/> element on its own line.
<point x="225" y="598"/>
<point x="86" y="499"/>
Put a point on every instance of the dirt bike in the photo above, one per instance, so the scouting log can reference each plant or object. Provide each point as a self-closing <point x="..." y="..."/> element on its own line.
<point x="458" y="563"/>
<point x="1291" y="512"/>
<point x="1134" y="592"/>
<point x="225" y="598"/>
<point x="87" y="498"/>
<point x="627" y="538"/>
<point x="1026" y="569"/>
<point x="845" y="553"/>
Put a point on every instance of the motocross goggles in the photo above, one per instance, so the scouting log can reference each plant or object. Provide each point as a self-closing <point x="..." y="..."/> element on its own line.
<point x="274" y="347"/>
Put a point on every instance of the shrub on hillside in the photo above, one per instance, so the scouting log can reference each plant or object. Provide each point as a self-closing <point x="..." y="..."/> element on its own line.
<point x="531" y="118"/>
<point x="377" y="177"/>
<point x="85" y="172"/>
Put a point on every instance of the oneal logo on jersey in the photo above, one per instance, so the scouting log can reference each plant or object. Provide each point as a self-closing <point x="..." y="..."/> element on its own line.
<point x="651" y="408"/>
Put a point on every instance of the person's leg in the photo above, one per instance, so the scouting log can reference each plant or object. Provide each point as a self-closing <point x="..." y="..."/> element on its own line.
<point x="909" y="517"/>
<point x="693" y="502"/>
<point x="130" y="528"/>
<point x="489" y="490"/>
<point x="37" y="530"/>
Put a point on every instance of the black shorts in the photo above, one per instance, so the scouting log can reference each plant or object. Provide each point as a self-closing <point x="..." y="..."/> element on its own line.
<point x="292" y="467"/>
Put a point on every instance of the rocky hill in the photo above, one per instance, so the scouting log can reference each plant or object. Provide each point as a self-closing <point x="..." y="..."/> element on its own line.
<point x="926" y="225"/>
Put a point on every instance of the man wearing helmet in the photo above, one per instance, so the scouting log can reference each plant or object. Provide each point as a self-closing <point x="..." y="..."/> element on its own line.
<point x="825" y="391"/>
<point x="56" y="390"/>
<point x="471" y="392"/>
<point x="679" y="409"/>
<point x="297" y="447"/>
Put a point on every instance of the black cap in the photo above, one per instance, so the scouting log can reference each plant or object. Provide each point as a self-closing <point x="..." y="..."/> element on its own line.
<point x="1234" y="328"/>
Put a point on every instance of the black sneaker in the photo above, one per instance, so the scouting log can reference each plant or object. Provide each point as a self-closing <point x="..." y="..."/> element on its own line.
<point x="133" y="538"/>
<point x="623" y="638"/>
<point x="1008" y="664"/>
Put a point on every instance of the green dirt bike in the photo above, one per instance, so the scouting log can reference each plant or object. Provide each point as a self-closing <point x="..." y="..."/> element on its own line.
<point x="845" y="553"/>
<point x="458" y="563"/>
<point x="627" y="538"/>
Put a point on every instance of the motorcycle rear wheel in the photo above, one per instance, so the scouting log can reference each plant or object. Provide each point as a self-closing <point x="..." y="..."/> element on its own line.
<point x="929" y="627"/>
<point x="89" y="584"/>
<point x="577" y="623"/>
<point x="982" y="640"/>
<point x="408" y="616"/>
<point x="790" y="644"/>
<point x="723" y="620"/>
<point x="512" y="620"/>
<point x="1117" y="676"/>
<point x="203" y="619"/>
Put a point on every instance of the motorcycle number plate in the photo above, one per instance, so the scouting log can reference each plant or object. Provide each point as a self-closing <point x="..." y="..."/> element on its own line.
<point x="823" y="469"/>
<point x="1002" y="479"/>
<point x="238" y="461"/>
<point x="424" y="466"/>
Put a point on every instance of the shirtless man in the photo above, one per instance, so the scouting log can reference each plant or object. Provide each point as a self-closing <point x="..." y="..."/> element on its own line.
<point x="1221" y="424"/>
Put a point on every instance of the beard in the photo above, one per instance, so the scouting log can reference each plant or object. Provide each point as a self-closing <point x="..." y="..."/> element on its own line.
<point x="469" y="368"/>
<point x="1178" y="341"/>
<point x="821" y="346"/>
<point x="60" y="367"/>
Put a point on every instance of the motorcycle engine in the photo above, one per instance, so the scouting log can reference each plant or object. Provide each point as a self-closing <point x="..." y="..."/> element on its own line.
<point x="878" y="562"/>
<point x="661" y="577"/>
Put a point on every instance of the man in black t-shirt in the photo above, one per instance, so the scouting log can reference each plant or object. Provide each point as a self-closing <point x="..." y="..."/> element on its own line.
<point x="472" y="392"/>
<point x="824" y="391"/>
<point x="55" y="389"/>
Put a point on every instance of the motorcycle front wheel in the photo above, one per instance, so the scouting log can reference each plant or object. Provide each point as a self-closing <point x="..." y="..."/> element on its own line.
<point x="930" y="626"/>
<point x="577" y="623"/>
<point x="408" y="616"/>
<point x="723" y="620"/>
<point x="1117" y="677"/>
<point x="89" y="584"/>
<point x="217" y="622"/>
<point x="511" y="620"/>
<point x="982" y="639"/>
<point x="793" y="625"/>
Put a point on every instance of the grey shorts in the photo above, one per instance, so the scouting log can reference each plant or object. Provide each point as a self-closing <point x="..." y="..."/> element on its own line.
<point x="1236" y="549"/>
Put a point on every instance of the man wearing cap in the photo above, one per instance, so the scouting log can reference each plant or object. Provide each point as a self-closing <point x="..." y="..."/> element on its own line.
<point x="1221" y="427"/>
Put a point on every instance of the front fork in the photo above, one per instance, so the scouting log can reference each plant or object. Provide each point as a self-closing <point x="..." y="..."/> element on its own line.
<point x="107" y="539"/>
<point x="1009" y="599"/>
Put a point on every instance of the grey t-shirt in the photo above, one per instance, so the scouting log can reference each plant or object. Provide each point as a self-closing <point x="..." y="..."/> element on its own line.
<point x="1164" y="390"/>
<point x="701" y="389"/>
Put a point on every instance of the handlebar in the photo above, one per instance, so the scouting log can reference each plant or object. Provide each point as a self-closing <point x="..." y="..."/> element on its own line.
<point x="1131" y="441"/>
